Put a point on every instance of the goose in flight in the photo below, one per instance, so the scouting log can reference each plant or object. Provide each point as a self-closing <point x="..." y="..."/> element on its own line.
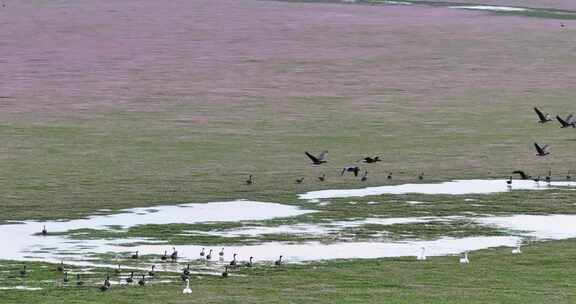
<point x="522" y="174"/>
<point x="317" y="160"/>
<point x="569" y="121"/>
<point x="371" y="160"/>
<point x="542" y="118"/>
<point x="541" y="150"/>
<point x="354" y="170"/>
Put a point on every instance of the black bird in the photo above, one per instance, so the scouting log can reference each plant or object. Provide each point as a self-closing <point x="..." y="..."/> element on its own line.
<point x="249" y="181"/>
<point x="135" y="255"/>
<point x="365" y="176"/>
<point x="130" y="279"/>
<point x="568" y="122"/>
<point x="164" y="257"/>
<point x="233" y="262"/>
<point x="537" y="179"/>
<point x="106" y="284"/>
<point x="421" y="176"/>
<point x="151" y="273"/>
<point x="389" y="175"/>
<point x="186" y="271"/>
<point x="319" y="159"/>
<point x="562" y="24"/>
<point x="371" y="160"/>
<point x="209" y="255"/>
<point x="60" y="267"/>
<point x="221" y="253"/>
<point x="542" y="118"/>
<point x="174" y="255"/>
<point x="250" y="262"/>
<point x="354" y="170"/>
<point x="44" y="231"/>
<point x="549" y="177"/>
<point x="541" y="150"/>
<point x="65" y="279"/>
<point x="299" y="180"/>
<point x="522" y="174"/>
<point x="322" y="177"/>
<point x="278" y="262"/>
<point x="202" y="253"/>
<point x="225" y="273"/>
<point x="23" y="271"/>
<point x="79" y="282"/>
<point x="568" y="175"/>
<point x="142" y="281"/>
<point x="509" y="181"/>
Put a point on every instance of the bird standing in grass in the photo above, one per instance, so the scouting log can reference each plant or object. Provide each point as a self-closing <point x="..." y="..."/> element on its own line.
<point x="187" y="289"/>
<point x="209" y="255"/>
<point x="174" y="255"/>
<point x="233" y="262"/>
<point x="65" y="279"/>
<point x="152" y="273"/>
<point x="130" y="279"/>
<point x="60" y="267"/>
<point x="517" y="250"/>
<point x="250" y="262"/>
<point x="79" y="281"/>
<point x="23" y="271"/>
<point x="142" y="281"/>
<point x="322" y="177"/>
<point x="249" y="181"/>
<point x="164" y="257"/>
<point x="225" y="273"/>
<point x="464" y="259"/>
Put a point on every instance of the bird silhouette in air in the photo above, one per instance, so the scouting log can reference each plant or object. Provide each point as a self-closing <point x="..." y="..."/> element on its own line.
<point x="541" y="150"/>
<point x="542" y="118"/>
<point x="317" y="160"/>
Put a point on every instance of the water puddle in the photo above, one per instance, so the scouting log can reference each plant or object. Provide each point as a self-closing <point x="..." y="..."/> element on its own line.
<point x="492" y="8"/>
<point x="20" y="288"/>
<point x="552" y="227"/>
<point x="456" y="187"/>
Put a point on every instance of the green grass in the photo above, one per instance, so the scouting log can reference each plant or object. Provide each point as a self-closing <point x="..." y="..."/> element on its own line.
<point x="543" y="273"/>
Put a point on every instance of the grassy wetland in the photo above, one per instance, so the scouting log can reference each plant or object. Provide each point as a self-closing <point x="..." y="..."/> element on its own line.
<point x="112" y="105"/>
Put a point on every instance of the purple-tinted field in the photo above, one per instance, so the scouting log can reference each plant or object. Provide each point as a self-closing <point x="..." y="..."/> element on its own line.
<point x="131" y="102"/>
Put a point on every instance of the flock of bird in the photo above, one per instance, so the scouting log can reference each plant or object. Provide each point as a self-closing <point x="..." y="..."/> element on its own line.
<point x="541" y="151"/>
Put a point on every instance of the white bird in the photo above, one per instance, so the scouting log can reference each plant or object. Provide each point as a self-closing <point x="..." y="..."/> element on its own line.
<point x="422" y="256"/>
<point x="465" y="260"/>
<point x="187" y="289"/>
<point x="517" y="250"/>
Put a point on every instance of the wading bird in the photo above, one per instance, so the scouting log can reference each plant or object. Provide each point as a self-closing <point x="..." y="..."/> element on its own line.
<point x="542" y="118"/>
<point x="202" y="253"/>
<point x="422" y="256"/>
<point x="317" y="160"/>
<point x="151" y="273"/>
<point x="44" y="231"/>
<point x="130" y="279"/>
<point x="278" y="262"/>
<point x="142" y="281"/>
<point x="250" y="263"/>
<point x="541" y="150"/>
<point x="135" y="255"/>
<point x="234" y="262"/>
<point x="79" y="281"/>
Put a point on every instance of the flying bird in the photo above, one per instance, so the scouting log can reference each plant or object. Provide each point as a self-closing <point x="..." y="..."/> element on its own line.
<point x="317" y="160"/>
<point x="541" y="150"/>
<point x="543" y="118"/>
<point x="569" y="121"/>
<point x="354" y="170"/>
<point x="371" y="160"/>
<point x="522" y="174"/>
